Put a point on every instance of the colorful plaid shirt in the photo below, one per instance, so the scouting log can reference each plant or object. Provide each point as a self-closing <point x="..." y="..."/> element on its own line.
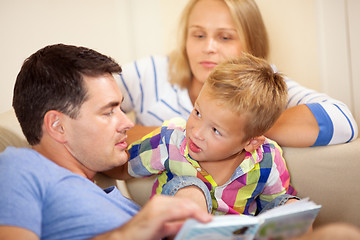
<point x="260" y="178"/>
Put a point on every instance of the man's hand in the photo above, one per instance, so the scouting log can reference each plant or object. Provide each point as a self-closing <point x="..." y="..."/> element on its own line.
<point x="162" y="216"/>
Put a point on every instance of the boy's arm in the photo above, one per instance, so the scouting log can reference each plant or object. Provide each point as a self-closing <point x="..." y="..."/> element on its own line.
<point x="139" y="155"/>
<point x="137" y="132"/>
<point x="195" y="194"/>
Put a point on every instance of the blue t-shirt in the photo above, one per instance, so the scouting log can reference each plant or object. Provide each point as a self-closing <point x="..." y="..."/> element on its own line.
<point x="53" y="202"/>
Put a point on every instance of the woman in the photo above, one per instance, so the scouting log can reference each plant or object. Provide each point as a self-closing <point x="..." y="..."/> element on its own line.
<point x="159" y="88"/>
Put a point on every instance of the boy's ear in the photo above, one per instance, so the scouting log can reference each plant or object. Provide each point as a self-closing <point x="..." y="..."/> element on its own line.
<point x="53" y="125"/>
<point x="254" y="143"/>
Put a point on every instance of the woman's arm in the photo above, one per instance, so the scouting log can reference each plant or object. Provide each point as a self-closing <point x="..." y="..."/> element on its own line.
<point x="312" y="119"/>
<point x="296" y="127"/>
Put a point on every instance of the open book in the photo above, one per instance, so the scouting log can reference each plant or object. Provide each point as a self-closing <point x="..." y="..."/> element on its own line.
<point x="289" y="220"/>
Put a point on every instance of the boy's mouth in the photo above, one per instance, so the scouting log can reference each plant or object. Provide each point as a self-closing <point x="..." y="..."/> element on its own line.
<point x="193" y="147"/>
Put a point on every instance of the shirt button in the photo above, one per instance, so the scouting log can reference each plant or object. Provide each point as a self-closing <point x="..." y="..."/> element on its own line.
<point x="199" y="169"/>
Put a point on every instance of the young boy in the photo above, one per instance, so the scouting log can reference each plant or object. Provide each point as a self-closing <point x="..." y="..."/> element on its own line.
<point x="222" y="144"/>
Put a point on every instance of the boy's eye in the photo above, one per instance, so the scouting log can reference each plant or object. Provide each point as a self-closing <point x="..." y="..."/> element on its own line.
<point x="197" y="113"/>
<point x="216" y="131"/>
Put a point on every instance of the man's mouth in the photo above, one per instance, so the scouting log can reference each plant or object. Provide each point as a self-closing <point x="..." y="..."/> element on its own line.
<point x="122" y="144"/>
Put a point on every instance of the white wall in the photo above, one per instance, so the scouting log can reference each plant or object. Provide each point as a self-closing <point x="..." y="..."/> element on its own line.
<point x="154" y="25"/>
<point x="353" y="7"/>
<point x="27" y="26"/>
<point x="292" y="29"/>
<point x="315" y="42"/>
<point x="339" y="36"/>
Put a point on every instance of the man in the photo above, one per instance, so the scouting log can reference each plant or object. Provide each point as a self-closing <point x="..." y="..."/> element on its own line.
<point x="68" y="106"/>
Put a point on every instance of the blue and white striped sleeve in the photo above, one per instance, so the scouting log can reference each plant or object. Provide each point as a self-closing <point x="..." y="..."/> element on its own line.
<point x="130" y="86"/>
<point x="336" y="123"/>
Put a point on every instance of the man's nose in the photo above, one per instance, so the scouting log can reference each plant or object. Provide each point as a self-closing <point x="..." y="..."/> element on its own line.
<point x="124" y="123"/>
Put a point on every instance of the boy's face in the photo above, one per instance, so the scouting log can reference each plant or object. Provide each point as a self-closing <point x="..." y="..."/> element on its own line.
<point x="97" y="137"/>
<point x="213" y="131"/>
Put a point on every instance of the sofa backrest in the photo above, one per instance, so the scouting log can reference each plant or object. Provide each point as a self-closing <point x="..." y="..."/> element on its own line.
<point x="328" y="175"/>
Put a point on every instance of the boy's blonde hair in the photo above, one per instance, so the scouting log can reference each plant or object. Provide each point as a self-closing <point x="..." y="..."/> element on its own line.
<point x="250" y="27"/>
<point x="249" y="87"/>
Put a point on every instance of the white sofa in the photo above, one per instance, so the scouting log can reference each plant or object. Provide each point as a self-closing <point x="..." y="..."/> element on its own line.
<point x="329" y="175"/>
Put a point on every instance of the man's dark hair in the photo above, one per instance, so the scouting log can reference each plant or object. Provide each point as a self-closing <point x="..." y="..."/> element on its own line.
<point x="52" y="79"/>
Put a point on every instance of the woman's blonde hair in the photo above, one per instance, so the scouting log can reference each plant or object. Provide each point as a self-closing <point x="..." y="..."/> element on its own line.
<point x="248" y="86"/>
<point x="250" y="26"/>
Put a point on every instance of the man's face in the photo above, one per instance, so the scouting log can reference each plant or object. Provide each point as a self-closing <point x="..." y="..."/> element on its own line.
<point x="97" y="137"/>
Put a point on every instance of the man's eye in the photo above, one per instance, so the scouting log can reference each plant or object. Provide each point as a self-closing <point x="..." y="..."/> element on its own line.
<point x="109" y="113"/>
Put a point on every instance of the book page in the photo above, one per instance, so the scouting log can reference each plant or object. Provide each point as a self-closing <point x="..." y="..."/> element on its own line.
<point x="282" y="222"/>
<point x="289" y="220"/>
<point x="227" y="227"/>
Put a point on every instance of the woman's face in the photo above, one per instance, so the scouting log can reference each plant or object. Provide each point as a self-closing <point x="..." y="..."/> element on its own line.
<point x="211" y="37"/>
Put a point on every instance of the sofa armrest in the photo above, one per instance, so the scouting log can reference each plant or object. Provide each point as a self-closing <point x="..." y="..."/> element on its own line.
<point x="10" y="131"/>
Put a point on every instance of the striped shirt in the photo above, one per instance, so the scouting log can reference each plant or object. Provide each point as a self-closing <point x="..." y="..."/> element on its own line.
<point x="260" y="177"/>
<point x="147" y="92"/>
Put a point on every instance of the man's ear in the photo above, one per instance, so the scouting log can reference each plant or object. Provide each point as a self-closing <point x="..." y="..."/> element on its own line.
<point x="254" y="143"/>
<point x="53" y="123"/>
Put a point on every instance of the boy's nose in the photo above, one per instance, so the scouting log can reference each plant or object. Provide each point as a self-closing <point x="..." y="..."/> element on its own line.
<point x="197" y="133"/>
